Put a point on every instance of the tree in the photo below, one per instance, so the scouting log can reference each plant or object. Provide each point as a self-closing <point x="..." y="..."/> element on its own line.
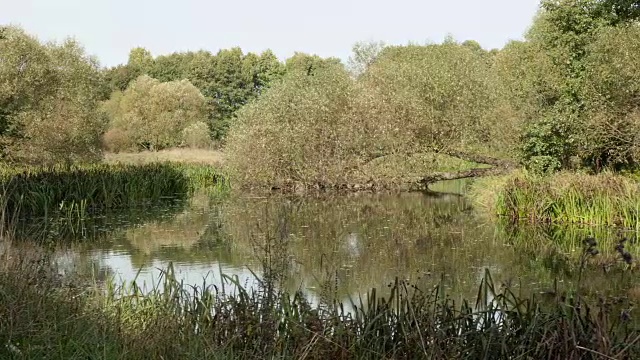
<point x="309" y="64"/>
<point x="153" y="115"/>
<point x="433" y="97"/>
<point x="141" y="60"/>
<point x="611" y="92"/>
<point x="301" y="130"/>
<point x="563" y="32"/>
<point x="364" y="54"/>
<point x="49" y="100"/>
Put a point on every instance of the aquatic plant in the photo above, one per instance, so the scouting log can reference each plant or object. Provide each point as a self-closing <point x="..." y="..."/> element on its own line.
<point x="174" y="320"/>
<point x="605" y="199"/>
<point x="75" y="193"/>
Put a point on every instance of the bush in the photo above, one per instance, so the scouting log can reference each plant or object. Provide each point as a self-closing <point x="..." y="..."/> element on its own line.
<point x="299" y="130"/>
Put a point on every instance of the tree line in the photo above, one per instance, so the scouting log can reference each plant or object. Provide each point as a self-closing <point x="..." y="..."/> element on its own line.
<point x="565" y="96"/>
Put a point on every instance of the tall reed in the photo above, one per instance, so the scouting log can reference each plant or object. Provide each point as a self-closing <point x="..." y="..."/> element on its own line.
<point x="603" y="199"/>
<point x="77" y="192"/>
<point x="45" y="316"/>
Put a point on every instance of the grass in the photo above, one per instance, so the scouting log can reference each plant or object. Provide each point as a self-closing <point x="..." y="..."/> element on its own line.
<point x="75" y="193"/>
<point x="45" y="316"/>
<point x="605" y="199"/>
<point x="180" y="155"/>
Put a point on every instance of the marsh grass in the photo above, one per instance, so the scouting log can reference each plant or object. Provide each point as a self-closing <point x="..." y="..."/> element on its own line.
<point x="44" y="315"/>
<point x="68" y="197"/>
<point x="605" y="199"/>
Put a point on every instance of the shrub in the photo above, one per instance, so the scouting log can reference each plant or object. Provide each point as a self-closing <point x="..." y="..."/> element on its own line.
<point x="299" y="130"/>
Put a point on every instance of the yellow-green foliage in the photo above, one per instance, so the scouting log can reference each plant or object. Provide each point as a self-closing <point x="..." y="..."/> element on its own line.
<point x="604" y="199"/>
<point x="612" y="90"/>
<point x="49" y="100"/>
<point x="300" y="129"/>
<point x="153" y="114"/>
<point x="435" y="96"/>
<point x="196" y="135"/>
<point x="325" y="127"/>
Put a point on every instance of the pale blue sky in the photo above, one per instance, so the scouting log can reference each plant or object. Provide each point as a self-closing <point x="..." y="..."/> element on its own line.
<point x="110" y="28"/>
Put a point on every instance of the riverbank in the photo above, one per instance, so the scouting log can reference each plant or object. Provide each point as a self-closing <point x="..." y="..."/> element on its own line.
<point x="605" y="199"/>
<point x="44" y="315"/>
<point x="179" y="155"/>
<point x="79" y="191"/>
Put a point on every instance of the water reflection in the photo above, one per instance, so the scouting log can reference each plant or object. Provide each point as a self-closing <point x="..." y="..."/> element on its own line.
<point x="339" y="246"/>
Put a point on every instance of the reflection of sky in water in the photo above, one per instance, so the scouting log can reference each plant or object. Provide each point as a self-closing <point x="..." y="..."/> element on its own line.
<point x="190" y="274"/>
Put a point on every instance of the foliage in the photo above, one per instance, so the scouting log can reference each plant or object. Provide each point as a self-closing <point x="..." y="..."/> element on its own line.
<point x="320" y="126"/>
<point x="299" y="130"/>
<point x="611" y="93"/>
<point x="228" y="79"/>
<point x="196" y="135"/>
<point x="151" y="114"/>
<point x="435" y="97"/>
<point x="605" y="199"/>
<point x="49" y="101"/>
<point x="309" y="64"/>
<point x="555" y="64"/>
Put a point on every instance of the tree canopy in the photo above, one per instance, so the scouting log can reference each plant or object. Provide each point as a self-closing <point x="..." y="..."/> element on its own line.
<point x="152" y="114"/>
<point x="49" y="100"/>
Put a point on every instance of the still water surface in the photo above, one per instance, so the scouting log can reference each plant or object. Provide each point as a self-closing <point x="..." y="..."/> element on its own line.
<point x="334" y="246"/>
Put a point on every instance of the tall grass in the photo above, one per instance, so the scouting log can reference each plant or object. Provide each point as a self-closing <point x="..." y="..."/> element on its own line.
<point x="81" y="191"/>
<point x="44" y="316"/>
<point x="604" y="199"/>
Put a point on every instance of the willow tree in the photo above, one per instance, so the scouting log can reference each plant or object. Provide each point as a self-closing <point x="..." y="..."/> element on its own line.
<point x="436" y="98"/>
<point x="299" y="130"/>
<point x="153" y="115"/>
<point x="322" y="127"/>
<point x="49" y="100"/>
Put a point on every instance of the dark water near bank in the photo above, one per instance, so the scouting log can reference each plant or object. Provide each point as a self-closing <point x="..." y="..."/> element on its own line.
<point x="341" y="245"/>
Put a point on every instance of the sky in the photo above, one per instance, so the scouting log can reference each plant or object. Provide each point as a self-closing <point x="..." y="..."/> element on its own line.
<point x="109" y="29"/>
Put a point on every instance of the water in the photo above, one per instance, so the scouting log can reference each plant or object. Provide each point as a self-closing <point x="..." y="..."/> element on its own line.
<point x="334" y="245"/>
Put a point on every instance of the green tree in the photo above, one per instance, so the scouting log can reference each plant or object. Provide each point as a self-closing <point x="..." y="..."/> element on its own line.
<point x="563" y="32"/>
<point x="153" y="115"/>
<point x="611" y="92"/>
<point x="50" y="96"/>
<point x="309" y="64"/>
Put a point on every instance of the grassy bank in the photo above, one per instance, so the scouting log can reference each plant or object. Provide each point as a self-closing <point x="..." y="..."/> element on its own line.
<point x="604" y="199"/>
<point x="45" y="316"/>
<point x="79" y="191"/>
<point x="181" y="155"/>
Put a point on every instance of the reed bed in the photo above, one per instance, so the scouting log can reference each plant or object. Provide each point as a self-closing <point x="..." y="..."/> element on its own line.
<point x="75" y="192"/>
<point x="604" y="199"/>
<point x="45" y="316"/>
